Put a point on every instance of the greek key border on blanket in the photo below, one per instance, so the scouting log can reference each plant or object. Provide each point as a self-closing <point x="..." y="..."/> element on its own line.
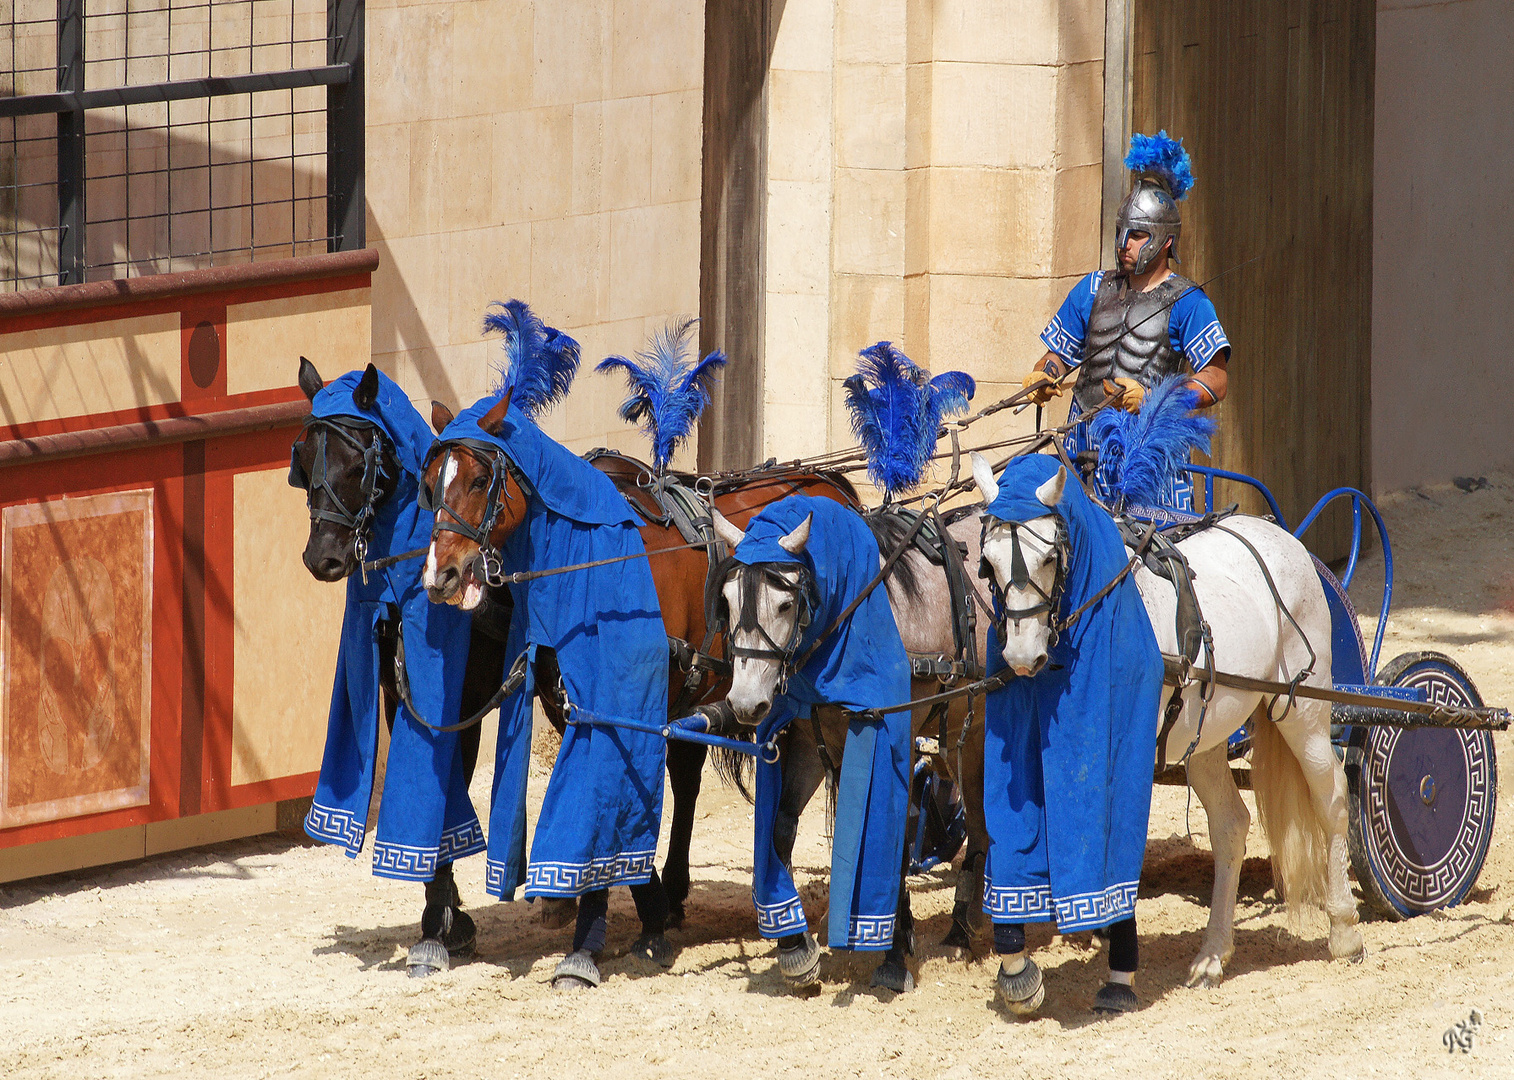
<point x="575" y="879"/>
<point x="781" y="919"/>
<point x="408" y="863"/>
<point x="1081" y="911"/>
<point x="335" y="826"/>
<point x="871" y="932"/>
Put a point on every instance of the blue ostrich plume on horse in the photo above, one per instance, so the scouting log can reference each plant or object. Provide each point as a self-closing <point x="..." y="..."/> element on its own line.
<point x="668" y="389"/>
<point x="896" y="409"/>
<point x="1163" y="157"/>
<point x="1141" y="453"/>
<point x="542" y="359"/>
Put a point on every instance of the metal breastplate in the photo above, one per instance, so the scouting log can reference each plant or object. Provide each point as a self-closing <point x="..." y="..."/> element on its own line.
<point x="1127" y="337"/>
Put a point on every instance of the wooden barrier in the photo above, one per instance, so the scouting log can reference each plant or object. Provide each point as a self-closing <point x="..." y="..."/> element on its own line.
<point x="164" y="657"/>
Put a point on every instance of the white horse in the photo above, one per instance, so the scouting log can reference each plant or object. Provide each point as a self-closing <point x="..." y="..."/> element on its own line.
<point x="1299" y="783"/>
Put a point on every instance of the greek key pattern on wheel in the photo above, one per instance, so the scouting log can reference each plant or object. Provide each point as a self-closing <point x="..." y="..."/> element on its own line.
<point x="461" y="841"/>
<point x="871" y="932"/>
<point x="1004" y="903"/>
<point x="335" y="827"/>
<point x="403" y="861"/>
<point x="1424" y="887"/>
<point x="1085" y="911"/>
<point x="575" y="879"/>
<point x="780" y="920"/>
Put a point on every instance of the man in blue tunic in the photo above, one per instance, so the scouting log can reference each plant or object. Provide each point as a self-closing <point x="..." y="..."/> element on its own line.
<point x="1125" y="329"/>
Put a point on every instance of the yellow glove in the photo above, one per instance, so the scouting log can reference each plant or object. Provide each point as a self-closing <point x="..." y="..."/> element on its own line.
<point x="1132" y="393"/>
<point x="1043" y="387"/>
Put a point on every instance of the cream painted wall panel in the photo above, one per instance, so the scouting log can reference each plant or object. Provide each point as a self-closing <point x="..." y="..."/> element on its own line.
<point x="798" y="237"/>
<point x="409" y="50"/>
<point x="265" y="340"/>
<point x="799" y="148"/>
<point x="1078" y="224"/>
<point x="288" y="627"/>
<point x="571" y="52"/>
<point x="491" y="69"/>
<point x="652" y="270"/>
<point x="1080" y="114"/>
<point x="485" y="265"/>
<point x="91" y="368"/>
<point x="587" y="168"/>
<point x="991" y="221"/>
<point x="864" y="308"/>
<point x="627" y="140"/>
<point x="870" y="210"/>
<point x="677" y="123"/>
<point x="570" y="266"/>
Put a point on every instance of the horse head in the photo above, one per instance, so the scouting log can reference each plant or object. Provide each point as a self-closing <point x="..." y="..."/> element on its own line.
<point x="478" y="503"/>
<point x="1025" y="563"/>
<point x="769" y="607"/>
<point x="346" y="471"/>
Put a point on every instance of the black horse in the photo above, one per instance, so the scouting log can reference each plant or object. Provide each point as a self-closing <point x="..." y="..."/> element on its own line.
<point x="337" y="501"/>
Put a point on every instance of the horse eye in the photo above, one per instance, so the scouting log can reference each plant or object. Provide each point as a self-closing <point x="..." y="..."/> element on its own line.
<point x="785" y="606"/>
<point x="479" y="483"/>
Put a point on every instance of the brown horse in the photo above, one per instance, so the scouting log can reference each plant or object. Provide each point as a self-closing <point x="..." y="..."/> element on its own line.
<point x="454" y="576"/>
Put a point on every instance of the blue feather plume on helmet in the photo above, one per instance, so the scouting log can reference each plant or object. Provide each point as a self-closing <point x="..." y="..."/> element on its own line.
<point x="896" y="408"/>
<point x="1141" y="453"/>
<point x="1163" y="157"/>
<point x="668" y="392"/>
<point x="541" y="360"/>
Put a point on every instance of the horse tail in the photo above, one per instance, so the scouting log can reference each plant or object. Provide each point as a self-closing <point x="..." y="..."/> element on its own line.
<point x="1300" y="844"/>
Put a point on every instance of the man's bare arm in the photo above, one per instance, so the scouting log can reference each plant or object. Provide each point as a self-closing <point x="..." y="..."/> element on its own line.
<point x="1212" y="382"/>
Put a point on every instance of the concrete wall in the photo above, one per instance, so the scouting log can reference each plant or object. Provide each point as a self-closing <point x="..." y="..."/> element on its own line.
<point x="934" y="180"/>
<point x="1443" y="240"/>
<point x="546" y="151"/>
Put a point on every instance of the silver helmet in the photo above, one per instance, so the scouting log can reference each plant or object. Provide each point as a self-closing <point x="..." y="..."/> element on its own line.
<point x="1149" y="208"/>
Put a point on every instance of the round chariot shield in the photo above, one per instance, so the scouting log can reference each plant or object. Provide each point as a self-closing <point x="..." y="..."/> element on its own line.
<point x="1422" y="798"/>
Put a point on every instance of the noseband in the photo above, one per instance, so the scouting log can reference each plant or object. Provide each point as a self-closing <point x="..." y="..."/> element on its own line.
<point x="748" y="577"/>
<point x="492" y="563"/>
<point x="1019" y="578"/>
<point x="376" y="456"/>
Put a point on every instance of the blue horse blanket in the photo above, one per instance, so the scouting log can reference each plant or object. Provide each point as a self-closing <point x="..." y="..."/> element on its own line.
<point x="603" y="806"/>
<point x="861" y="666"/>
<point x="1068" y="752"/>
<point x="425" y="815"/>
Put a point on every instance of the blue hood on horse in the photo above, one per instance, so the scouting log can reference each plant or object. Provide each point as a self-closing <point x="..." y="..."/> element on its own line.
<point x="1068" y="752"/>
<point x="600" y="816"/>
<point x="861" y="666"/>
<point x="425" y="815"/>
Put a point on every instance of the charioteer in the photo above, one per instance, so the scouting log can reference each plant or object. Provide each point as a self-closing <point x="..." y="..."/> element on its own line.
<point x="1123" y="330"/>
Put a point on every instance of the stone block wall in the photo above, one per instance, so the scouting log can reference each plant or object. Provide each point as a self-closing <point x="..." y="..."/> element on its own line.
<point x="935" y="175"/>
<point x="547" y="151"/>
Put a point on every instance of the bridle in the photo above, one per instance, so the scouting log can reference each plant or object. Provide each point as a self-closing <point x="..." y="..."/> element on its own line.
<point x="377" y="459"/>
<point x="748" y="577"/>
<point x="492" y="563"/>
<point x="1019" y="577"/>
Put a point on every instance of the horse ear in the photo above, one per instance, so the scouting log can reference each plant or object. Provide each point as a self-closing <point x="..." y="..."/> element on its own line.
<point x="493" y="421"/>
<point x="441" y="416"/>
<point x="310" y="379"/>
<point x="366" y="393"/>
<point x="983" y="474"/>
<point x="794" y="542"/>
<point x="1050" y="493"/>
<point x="729" y="534"/>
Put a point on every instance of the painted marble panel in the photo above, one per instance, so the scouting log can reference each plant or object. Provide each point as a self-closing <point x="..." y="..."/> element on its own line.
<point x="75" y="656"/>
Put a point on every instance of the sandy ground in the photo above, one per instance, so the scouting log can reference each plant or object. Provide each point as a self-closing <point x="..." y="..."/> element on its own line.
<point x="274" y="957"/>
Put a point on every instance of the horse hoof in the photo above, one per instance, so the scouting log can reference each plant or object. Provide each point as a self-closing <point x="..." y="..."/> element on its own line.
<point x="654" y="947"/>
<point x="1114" y="998"/>
<point x="557" y="912"/>
<point x="800" y="963"/>
<point x="893" y="975"/>
<point x="1022" y="992"/>
<point x="427" y="957"/>
<point x="576" y="971"/>
<point x="460" y="938"/>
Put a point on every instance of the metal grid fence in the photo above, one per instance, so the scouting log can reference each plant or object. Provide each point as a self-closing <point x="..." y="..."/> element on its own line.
<point x="152" y="136"/>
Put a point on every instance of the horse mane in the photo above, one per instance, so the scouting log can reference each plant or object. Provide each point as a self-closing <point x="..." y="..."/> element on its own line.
<point x="1141" y="453"/>
<point x="889" y="529"/>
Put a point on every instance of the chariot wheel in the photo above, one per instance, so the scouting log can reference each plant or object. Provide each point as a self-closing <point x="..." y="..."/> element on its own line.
<point x="935" y="835"/>
<point x="1422" y="798"/>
